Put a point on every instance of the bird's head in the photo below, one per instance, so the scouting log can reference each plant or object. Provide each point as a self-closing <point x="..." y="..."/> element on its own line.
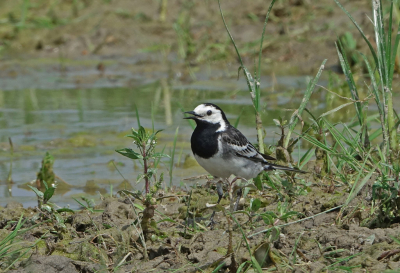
<point x="209" y="113"/>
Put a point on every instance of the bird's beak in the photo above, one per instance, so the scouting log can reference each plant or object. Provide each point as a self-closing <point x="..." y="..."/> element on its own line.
<point x="195" y="116"/>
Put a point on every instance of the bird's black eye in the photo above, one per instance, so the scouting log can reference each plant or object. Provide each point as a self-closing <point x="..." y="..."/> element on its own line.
<point x="209" y="112"/>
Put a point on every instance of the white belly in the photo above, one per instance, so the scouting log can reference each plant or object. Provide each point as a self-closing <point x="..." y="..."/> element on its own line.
<point x="224" y="168"/>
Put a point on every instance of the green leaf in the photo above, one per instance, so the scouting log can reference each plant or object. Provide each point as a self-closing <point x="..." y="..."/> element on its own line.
<point x="38" y="192"/>
<point x="335" y="109"/>
<point x="288" y="215"/>
<point x="142" y="133"/>
<point x="129" y="153"/>
<point x="350" y="80"/>
<point x="268" y="219"/>
<point x="360" y="30"/>
<point x="159" y="155"/>
<point x="48" y="194"/>
<point x="258" y="182"/>
<point x="138" y="206"/>
<point x="80" y="203"/>
<point x="59" y="219"/>
<point x="240" y="268"/>
<point x="277" y="122"/>
<point x="132" y="193"/>
<point x="153" y="135"/>
<point x="216" y="270"/>
<point x="256" y="265"/>
<point x="255" y="205"/>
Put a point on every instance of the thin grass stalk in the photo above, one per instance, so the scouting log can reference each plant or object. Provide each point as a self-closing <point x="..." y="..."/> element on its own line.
<point x="259" y="126"/>
<point x="139" y="230"/>
<point x="389" y="40"/>
<point x="9" y="178"/>
<point x="146" y="178"/>
<point x="295" y="222"/>
<point x="386" y="80"/>
<point x="253" y="260"/>
<point x="394" y="54"/>
<point x="171" y="165"/>
<point x="251" y="84"/>
<point x="350" y="80"/>
<point x="306" y="98"/>
<point x="381" y="111"/>
<point x="187" y="214"/>
<point x="380" y="39"/>
<point x="258" y="72"/>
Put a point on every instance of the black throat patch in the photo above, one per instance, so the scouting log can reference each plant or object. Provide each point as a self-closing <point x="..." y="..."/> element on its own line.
<point x="204" y="139"/>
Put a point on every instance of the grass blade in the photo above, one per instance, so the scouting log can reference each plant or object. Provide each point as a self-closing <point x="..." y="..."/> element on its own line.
<point x="306" y="98"/>
<point x="171" y="164"/>
<point x="350" y="80"/>
<point x="360" y="30"/>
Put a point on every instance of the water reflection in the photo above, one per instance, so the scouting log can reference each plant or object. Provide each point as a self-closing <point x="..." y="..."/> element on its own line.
<point x="82" y="127"/>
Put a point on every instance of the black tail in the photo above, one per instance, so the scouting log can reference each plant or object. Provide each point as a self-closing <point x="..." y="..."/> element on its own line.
<point x="271" y="167"/>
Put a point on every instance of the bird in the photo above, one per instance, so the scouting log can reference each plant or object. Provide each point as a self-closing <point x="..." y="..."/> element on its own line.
<point x="222" y="150"/>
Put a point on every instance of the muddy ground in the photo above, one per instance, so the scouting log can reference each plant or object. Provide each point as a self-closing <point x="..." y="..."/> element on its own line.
<point x="108" y="240"/>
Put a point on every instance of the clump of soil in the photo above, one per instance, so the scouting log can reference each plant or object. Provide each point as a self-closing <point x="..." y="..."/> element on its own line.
<point x="109" y="238"/>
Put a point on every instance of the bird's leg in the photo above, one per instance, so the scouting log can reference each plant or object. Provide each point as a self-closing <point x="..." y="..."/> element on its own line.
<point x="220" y="194"/>
<point x="238" y="194"/>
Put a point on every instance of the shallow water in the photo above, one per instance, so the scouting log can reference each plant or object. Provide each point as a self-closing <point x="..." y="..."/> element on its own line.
<point x="80" y="116"/>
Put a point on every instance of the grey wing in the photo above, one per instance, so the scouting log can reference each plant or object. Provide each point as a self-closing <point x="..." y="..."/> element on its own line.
<point x="242" y="147"/>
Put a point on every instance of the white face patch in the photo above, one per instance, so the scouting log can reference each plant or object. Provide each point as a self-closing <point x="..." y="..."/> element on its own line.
<point x="210" y="114"/>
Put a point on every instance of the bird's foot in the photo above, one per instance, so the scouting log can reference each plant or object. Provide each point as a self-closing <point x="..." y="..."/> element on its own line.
<point x="212" y="222"/>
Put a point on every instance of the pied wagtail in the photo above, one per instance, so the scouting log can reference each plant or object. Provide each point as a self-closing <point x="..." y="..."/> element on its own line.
<point x="222" y="150"/>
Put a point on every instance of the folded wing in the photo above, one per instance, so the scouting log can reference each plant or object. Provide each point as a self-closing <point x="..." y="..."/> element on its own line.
<point x="242" y="147"/>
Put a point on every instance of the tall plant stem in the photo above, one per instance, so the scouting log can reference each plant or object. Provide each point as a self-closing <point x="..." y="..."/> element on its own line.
<point x="391" y="128"/>
<point x="259" y="132"/>
<point x="145" y="169"/>
<point x="9" y="178"/>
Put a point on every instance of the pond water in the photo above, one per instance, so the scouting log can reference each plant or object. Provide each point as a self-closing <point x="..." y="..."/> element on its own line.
<point x="80" y="115"/>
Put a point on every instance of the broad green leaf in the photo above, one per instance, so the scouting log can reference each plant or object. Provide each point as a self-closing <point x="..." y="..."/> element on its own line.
<point x="48" y="194"/>
<point x="45" y="184"/>
<point x="129" y="153"/>
<point x="38" y="192"/>
<point x="258" y="182"/>
<point x="255" y="204"/>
